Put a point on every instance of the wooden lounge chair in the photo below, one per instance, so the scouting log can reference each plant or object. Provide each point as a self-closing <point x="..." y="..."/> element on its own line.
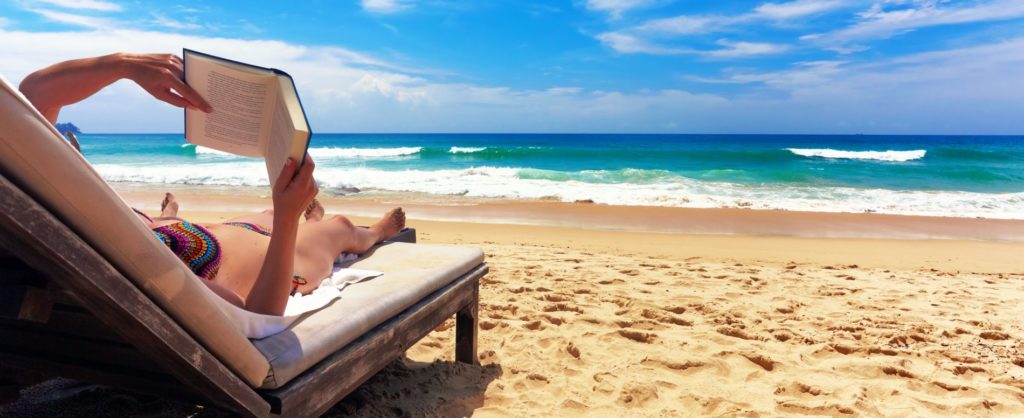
<point x="98" y="303"/>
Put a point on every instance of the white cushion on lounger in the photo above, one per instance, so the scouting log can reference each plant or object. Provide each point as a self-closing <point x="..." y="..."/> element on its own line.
<point x="411" y="272"/>
<point x="35" y="156"/>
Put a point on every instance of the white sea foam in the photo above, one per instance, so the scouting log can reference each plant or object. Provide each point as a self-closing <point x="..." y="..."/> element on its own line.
<point x="674" y="191"/>
<point x="896" y="156"/>
<point x="333" y="152"/>
<point x="210" y="151"/>
<point x="466" y="150"/>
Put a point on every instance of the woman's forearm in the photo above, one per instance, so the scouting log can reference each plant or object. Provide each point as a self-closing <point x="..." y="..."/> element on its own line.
<point x="69" y="82"/>
<point x="161" y="75"/>
<point x="270" y="293"/>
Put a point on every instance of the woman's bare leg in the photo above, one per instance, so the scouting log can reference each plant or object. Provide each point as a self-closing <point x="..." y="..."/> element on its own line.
<point x="265" y="219"/>
<point x="169" y="206"/>
<point x="320" y="243"/>
<point x="168" y="211"/>
<point x="315" y="211"/>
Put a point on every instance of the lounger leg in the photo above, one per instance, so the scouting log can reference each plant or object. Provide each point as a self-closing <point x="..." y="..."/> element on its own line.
<point x="466" y="330"/>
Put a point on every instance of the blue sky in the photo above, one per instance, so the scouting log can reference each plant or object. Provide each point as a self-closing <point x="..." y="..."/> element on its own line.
<point x="803" y="66"/>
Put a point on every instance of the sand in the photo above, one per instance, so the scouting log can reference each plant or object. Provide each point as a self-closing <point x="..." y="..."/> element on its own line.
<point x="580" y="320"/>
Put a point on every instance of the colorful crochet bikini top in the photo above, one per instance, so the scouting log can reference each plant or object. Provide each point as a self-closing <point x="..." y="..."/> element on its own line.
<point x="194" y="245"/>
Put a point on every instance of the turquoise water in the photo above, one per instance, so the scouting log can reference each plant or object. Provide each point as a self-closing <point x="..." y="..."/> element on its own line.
<point x="934" y="175"/>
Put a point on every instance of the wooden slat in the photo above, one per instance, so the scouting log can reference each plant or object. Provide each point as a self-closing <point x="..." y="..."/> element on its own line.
<point x="15" y="272"/>
<point x="43" y="242"/>
<point x="316" y="390"/>
<point x="28" y="303"/>
<point x="28" y="340"/>
<point x="129" y="379"/>
<point x="73" y="321"/>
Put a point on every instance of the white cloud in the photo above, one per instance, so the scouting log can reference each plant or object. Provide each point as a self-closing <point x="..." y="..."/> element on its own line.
<point x="385" y="6"/>
<point x="166" y="22"/>
<point x="880" y="22"/>
<point x="97" y="5"/>
<point x="346" y="91"/>
<point x="564" y="90"/>
<point x="615" y="8"/>
<point x="649" y="37"/>
<point x="796" y="9"/>
<point x="967" y="90"/>
<point x="4" y="22"/>
<point x="801" y="75"/>
<point x="744" y="49"/>
<point x="632" y="44"/>
<point x="680" y="25"/>
<point x="75" y="19"/>
<point x="955" y="91"/>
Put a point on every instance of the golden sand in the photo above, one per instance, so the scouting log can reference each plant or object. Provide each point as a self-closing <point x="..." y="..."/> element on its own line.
<point x="582" y="321"/>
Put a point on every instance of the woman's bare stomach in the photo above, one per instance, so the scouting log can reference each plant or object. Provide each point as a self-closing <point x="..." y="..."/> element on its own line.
<point x="243" y="252"/>
<point x="242" y="255"/>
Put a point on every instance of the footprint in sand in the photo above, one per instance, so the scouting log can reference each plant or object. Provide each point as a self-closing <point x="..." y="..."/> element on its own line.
<point x="994" y="335"/>
<point x="671" y="365"/>
<point x="896" y="371"/>
<point x="553" y="319"/>
<point x="562" y="307"/>
<point x="636" y="395"/>
<point x="844" y="349"/>
<point x="640" y="337"/>
<point x="737" y="333"/>
<point x="951" y="387"/>
<point x="761" y="360"/>
<point x="675" y="309"/>
<point x="959" y="370"/>
<point x="665" y="319"/>
<point x="537" y="377"/>
<point x="534" y="325"/>
<point x="572" y="350"/>
<point x="555" y="298"/>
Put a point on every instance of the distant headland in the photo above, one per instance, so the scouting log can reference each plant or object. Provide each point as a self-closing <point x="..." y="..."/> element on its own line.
<point x="66" y="127"/>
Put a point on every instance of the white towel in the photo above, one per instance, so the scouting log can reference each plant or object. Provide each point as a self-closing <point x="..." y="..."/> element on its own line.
<point x="257" y="326"/>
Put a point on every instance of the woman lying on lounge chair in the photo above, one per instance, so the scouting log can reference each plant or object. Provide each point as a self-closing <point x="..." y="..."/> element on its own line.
<point x="254" y="262"/>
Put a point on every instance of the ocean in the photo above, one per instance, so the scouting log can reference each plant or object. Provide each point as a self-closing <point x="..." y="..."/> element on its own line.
<point x="961" y="176"/>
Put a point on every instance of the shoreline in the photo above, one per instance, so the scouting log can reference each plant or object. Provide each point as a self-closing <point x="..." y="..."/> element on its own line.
<point x="585" y="227"/>
<point x="591" y="216"/>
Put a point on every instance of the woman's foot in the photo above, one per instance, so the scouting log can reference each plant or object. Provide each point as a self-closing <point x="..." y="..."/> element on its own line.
<point x="390" y="224"/>
<point x="315" y="211"/>
<point x="169" y="207"/>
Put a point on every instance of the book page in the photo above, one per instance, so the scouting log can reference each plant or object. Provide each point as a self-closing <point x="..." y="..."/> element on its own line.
<point x="242" y="100"/>
<point x="281" y="136"/>
<point x="289" y="133"/>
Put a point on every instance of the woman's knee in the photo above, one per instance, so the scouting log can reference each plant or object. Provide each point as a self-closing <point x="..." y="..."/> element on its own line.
<point x="341" y="221"/>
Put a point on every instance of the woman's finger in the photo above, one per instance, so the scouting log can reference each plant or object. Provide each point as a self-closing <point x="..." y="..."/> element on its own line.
<point x="286" y="177"/>
<point x="191" y="95"/>
<point x="308" y="164"/>
<point x="167" y="96"/>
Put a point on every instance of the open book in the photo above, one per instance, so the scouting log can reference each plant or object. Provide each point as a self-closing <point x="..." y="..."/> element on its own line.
<point x="256" y="111"/>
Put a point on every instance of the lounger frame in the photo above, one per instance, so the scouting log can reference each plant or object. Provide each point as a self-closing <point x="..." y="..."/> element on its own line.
<point x="66" y="311"/>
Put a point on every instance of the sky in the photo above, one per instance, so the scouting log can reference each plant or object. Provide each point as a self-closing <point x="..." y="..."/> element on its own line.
<point x="580" y="66"/>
